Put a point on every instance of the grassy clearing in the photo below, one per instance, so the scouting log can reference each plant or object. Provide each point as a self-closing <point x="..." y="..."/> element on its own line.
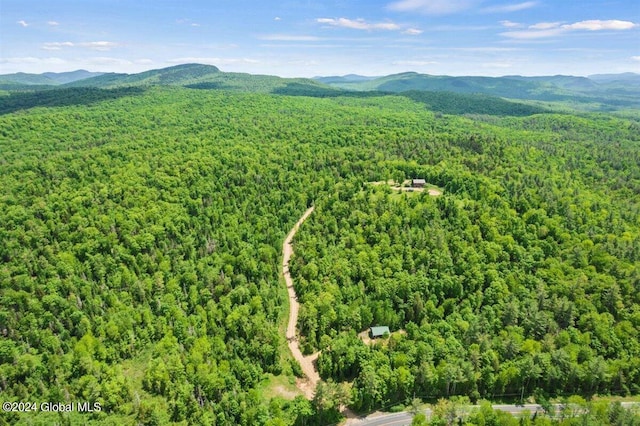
<point x="405" y="187"/>
<point x="282" y="386"/>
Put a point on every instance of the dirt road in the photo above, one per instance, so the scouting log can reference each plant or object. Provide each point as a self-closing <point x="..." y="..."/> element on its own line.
<point x="306" y="362"/>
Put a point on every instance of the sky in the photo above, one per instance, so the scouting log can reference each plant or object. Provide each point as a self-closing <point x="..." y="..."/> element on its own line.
<point x="306" y="38"/>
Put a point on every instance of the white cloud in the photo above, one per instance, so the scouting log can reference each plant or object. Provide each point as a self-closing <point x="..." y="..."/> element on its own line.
<point x="358" y="24"/>
<point x="532" y="34"/>
<point x="545" y="25"/>
<point x="483" y="49"/>
<point x="277" y="18"/>
<point x="53" y="23"/>
<point x="57" y="45"/>
<point x="432" y="7"/>
<point x="93" y="45"/>
<point x="187" y="21"/>
<point x="443" y="7"/>
<point x="597" y="25"/>
<point x="288" y="37"/>
<point x="551" y="29"/>
<point x="23" y="23"/>
<point x="412" y="31"/>
<point x="510" y="24"/>
<point x="99" y="45"/>
<point x="636" y="58"/>
<point x="511" y="7"/>
<point x="362" y="24"/>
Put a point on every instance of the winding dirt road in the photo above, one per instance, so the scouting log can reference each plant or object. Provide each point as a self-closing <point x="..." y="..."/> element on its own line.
<point x="306" y="362"/>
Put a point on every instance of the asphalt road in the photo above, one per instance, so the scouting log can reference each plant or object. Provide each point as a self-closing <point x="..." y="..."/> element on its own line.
<point x="404" y="418"/>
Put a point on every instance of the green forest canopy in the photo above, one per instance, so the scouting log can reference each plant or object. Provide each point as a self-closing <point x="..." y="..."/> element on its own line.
<point x="140" y="240"/>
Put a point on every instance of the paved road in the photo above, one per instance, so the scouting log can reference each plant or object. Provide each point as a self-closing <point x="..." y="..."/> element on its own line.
<point x="404" y="418"/>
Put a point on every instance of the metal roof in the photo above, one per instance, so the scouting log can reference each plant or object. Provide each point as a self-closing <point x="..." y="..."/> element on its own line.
<point x="379" y="330"/>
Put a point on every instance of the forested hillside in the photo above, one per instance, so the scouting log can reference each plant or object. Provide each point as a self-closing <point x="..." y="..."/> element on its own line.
<point x="24" y="80"/>
<point x="599" y="92"/>
<point x="140" y="253"/>
<point x="524" y="275"/>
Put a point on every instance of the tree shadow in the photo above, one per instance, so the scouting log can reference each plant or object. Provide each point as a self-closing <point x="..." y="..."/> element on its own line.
<point x="17" y="101"/>
<point x="209" y="86"/>
<point x="445" y="102"/>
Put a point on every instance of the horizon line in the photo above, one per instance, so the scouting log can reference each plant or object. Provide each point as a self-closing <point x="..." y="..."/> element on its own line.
<point x="323" y="76"/>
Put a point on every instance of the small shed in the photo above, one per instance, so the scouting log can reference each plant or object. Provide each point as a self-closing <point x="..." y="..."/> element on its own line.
<point x="378" y="331"/>
<point x="418" y="183"/>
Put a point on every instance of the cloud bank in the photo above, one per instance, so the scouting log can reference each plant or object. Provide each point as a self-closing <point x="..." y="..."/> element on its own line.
<point x="358" y="24"/>
<point x="432" y="7"/>
<point x="510" y="7"/>
<point x="102" y="46"/>
<point x="551" y="29"/>
<point x="363" y="25"/>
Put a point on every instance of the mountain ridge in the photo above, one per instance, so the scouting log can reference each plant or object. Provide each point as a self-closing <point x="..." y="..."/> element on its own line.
<point x="199" y="76"/>
<point x="598" y="92"/>
<point x="68" y="77"/>
<point x="603" y="92"/>
<point x="47" y="78"/>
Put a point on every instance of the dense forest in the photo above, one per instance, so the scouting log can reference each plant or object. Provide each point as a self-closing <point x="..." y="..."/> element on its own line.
<point x="523" y="276"/>
<point x="140" y="254"/>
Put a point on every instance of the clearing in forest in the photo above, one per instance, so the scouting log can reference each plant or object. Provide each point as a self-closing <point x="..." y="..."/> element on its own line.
<point x="433" y="190"/>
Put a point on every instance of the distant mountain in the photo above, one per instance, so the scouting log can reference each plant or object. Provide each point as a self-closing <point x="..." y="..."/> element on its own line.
<point x="197" y="76"/>
<point x="563" y="81"/>
<point x="610" y="78"/>
<point x="599" y="92"/>
<point x="176" y="75"/>
<point x="513" y="86"/>
<point x="109" y="79"/>
<point x="25" y="79"/>
<point x="45" y="79"/>
<point x="207" y="77"/>
<point x="69" y="77"/>
<point x="414" y="81"/>
<point x="604" y="92"/>
<point x="349" y="78"/>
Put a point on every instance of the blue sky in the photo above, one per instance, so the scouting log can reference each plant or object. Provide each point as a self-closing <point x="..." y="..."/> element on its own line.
<point x="334" y="37"/>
